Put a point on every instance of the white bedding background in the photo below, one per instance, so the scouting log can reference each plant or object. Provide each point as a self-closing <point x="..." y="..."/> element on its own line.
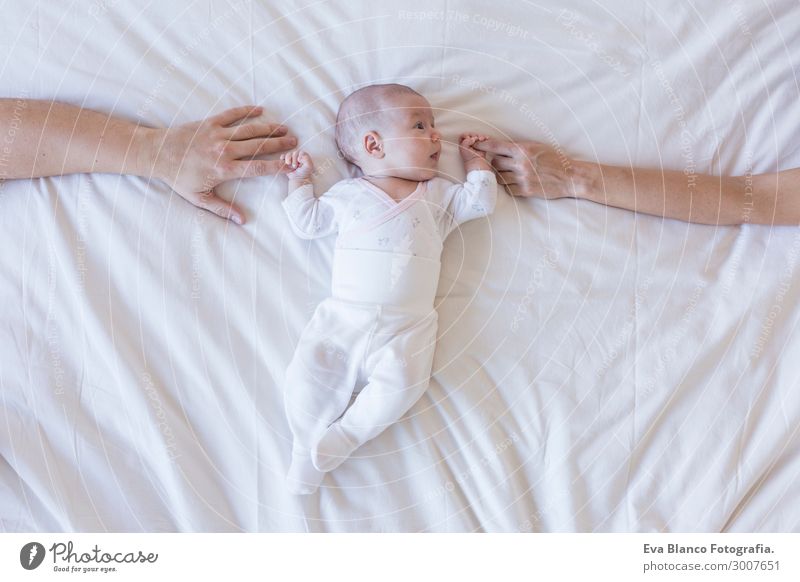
<point x="596" y="371"/>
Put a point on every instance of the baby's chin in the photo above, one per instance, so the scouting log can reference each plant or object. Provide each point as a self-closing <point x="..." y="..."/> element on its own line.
<point x="417" y="174"/>
<point x="409" y="172"/>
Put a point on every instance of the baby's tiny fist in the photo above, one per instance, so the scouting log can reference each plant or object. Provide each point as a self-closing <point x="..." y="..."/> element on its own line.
<point x="467" y="150"/>
<point x="299" y="163"/>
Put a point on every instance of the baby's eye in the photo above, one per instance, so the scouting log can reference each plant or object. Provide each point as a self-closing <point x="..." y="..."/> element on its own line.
<point x="419" y="125"/>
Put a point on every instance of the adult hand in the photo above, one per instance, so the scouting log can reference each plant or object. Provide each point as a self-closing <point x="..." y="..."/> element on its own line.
<point x="534" y="169"/>
<point x="196" y="157"/>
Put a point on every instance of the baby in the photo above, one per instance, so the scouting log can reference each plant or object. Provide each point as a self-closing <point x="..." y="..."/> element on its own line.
<point x="379" y="326"/>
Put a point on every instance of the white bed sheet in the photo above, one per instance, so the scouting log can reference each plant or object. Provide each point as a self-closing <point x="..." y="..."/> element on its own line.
<point x="597" y="370"/>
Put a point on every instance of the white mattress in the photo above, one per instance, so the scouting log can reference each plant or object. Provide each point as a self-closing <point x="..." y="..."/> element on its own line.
<point x="596" y="371"/>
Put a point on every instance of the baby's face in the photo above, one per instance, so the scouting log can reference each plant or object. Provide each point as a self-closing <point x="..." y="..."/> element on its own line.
<point x="411" y="144"/>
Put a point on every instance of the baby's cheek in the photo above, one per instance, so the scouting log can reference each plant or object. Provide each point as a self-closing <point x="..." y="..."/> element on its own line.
<point x="411" y="159"/>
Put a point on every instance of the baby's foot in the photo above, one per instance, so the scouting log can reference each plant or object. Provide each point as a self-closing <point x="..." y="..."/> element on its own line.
<point x="303" y="478"/>
<point x="333" y="448"/>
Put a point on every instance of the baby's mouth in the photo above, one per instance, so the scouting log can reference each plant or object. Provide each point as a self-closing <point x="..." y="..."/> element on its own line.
<point x="435" y="157"/>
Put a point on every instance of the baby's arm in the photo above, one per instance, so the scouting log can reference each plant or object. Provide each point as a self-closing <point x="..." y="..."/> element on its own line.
<point x="476" y="197"/>
<point x="473" y="159"/>
<point x="301" y="168"/>
<point x="309" y="216"/>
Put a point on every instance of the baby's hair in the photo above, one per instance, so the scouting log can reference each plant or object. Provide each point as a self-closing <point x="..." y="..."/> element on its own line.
<point x="358" y="114"/>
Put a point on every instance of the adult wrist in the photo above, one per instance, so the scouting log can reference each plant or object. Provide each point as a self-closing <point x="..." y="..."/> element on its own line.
<point x="148" y="150"/>
<point x="584" y="180"/>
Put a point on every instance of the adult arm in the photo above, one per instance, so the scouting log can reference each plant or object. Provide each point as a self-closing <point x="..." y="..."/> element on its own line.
<point x="43" y="138"/>
<point x="536" y="169"/>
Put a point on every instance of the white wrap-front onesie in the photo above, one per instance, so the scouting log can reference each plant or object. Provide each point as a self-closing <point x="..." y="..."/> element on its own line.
<point x="379" y="326"/>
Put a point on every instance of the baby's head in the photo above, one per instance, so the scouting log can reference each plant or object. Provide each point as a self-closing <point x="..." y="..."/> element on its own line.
<point x="388" y="130"/>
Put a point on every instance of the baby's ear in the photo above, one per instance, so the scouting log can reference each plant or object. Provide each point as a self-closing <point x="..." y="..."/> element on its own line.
<point x="373" y="145"/>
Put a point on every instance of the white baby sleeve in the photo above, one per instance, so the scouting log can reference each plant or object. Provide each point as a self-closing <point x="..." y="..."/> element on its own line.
<point x="313" y="217"/>
<point x="473" y="199"/>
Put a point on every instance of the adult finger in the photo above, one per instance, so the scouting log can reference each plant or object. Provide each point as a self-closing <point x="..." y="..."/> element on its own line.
<point x="213" y="203"/>
<point x="255" y="168"/>
<point x="496" y="146"/>
<point x="516" y="190"/>
<point x="257" y="147"/>
<point x="504" y="163"/>
<point x="253" y="130"/>
<point x="237" y="114"/>
<point x="506" y="178"/>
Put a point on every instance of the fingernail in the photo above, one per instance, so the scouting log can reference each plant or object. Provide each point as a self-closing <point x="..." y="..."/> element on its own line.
<point x="293" y="141"/>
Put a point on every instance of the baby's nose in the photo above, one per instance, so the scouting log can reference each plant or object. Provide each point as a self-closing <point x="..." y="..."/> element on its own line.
<point x="436" y="136"/>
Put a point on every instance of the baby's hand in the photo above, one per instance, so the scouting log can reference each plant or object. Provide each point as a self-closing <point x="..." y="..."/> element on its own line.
<point x="473" y="159"/>
<point x="299" y="165"/>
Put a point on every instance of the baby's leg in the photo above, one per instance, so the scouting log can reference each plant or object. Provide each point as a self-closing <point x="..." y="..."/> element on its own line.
<point x="400" y="373"/>
<point x="319" y="382"/>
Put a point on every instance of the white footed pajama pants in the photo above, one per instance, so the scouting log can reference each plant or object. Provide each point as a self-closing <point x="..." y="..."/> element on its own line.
<point x="345" y="344"/>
